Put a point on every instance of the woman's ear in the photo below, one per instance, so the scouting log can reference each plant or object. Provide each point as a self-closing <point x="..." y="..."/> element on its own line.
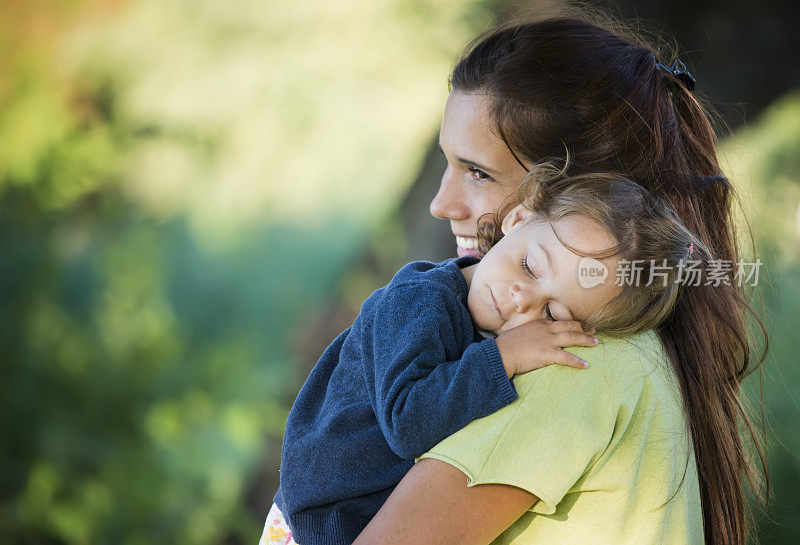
<point x="516" y="216"/>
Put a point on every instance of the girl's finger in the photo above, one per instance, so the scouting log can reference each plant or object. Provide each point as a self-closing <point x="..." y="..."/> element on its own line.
<point x="562" y="357"/>
<point x="566" y="325"/>
<point x="573" y="338"/>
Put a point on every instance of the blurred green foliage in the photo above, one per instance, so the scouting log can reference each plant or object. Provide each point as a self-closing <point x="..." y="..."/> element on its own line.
<point x="144" y="372"/>
<point x="181" y="184"/>
<point x="764" y="163"/>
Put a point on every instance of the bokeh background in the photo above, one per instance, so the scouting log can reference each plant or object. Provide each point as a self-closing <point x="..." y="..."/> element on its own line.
<point x="196" y="196"/>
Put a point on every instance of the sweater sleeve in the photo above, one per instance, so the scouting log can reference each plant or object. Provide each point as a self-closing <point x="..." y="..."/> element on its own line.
<point x="421" y="386"/>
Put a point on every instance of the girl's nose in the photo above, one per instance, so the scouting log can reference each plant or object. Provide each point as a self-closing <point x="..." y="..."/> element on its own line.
<point x="449" y="202"/>
<point x="522" y="298"/>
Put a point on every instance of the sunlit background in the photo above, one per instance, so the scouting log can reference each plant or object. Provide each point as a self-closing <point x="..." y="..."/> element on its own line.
<point x="196" y="196"/>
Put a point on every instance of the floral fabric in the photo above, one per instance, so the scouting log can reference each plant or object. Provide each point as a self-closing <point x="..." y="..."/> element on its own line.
<point x="276" y="531"/>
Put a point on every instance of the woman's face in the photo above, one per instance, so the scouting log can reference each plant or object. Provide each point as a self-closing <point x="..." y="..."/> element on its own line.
<point x="481" y="171"/>
<point x="530" y="275"/>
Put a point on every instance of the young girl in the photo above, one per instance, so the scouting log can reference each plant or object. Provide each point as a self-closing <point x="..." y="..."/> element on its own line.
<point x="412" y="369"/>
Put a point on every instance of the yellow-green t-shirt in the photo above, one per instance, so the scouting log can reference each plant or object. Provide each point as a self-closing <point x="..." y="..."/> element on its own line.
<point x="602" y="448"/>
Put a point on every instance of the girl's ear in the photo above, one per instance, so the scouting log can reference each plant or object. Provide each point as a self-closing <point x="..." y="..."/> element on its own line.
<point x="516" y="216"/>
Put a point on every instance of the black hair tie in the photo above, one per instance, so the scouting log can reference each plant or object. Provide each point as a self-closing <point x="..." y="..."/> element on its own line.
<point x="679" y="72"/>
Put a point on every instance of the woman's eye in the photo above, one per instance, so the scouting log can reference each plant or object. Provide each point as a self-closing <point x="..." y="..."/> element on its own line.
<point x="478" y="174"/>
<point x="547" y="312"/>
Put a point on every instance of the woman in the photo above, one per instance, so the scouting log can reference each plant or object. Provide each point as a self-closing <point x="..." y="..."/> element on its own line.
<point x="535" y="91"/>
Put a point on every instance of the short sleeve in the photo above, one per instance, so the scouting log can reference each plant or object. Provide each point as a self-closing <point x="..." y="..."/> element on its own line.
<point x="546" y="441"/>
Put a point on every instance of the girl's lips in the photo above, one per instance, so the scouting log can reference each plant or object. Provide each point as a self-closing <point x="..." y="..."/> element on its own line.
<point x="496" y="306"/>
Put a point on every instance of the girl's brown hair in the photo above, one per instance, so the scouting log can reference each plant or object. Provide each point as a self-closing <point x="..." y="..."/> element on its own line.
<point x="602" y="93"/>
<point x="651" y="239"/>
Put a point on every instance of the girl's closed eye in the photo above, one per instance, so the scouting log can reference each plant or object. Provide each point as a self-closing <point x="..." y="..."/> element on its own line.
<point x="529" y="272"/>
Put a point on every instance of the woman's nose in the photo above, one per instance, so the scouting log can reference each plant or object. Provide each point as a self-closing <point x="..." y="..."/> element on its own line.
<point x="449" y="202"/>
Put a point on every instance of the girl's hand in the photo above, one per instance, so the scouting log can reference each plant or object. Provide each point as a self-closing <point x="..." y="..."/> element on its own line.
<point x="539" y="343"/>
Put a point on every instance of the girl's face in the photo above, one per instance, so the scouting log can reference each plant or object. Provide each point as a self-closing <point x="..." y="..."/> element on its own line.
<point x="530" y="275"/>
<point x="480" y="173"/>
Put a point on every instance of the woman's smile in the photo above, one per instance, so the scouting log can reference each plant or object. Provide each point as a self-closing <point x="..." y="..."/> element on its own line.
<point x="467" y="246"/>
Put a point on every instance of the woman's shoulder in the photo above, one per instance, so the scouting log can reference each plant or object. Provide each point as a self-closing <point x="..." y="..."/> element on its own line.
<point x="630" y="352"/>
<point x="564" y="420"/>
<point x="584" y="403"/>
<point x="622" y="363"/>
<point x="619" y="369"/>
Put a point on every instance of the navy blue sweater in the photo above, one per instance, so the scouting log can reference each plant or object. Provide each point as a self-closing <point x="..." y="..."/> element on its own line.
<point x="411" y="370"/>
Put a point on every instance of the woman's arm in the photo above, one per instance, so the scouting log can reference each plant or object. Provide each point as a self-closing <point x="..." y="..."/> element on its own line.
<point x="433" y="505"/>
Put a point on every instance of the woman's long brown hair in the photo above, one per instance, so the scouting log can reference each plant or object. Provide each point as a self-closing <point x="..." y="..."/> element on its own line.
<point x="599" y="92"/>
